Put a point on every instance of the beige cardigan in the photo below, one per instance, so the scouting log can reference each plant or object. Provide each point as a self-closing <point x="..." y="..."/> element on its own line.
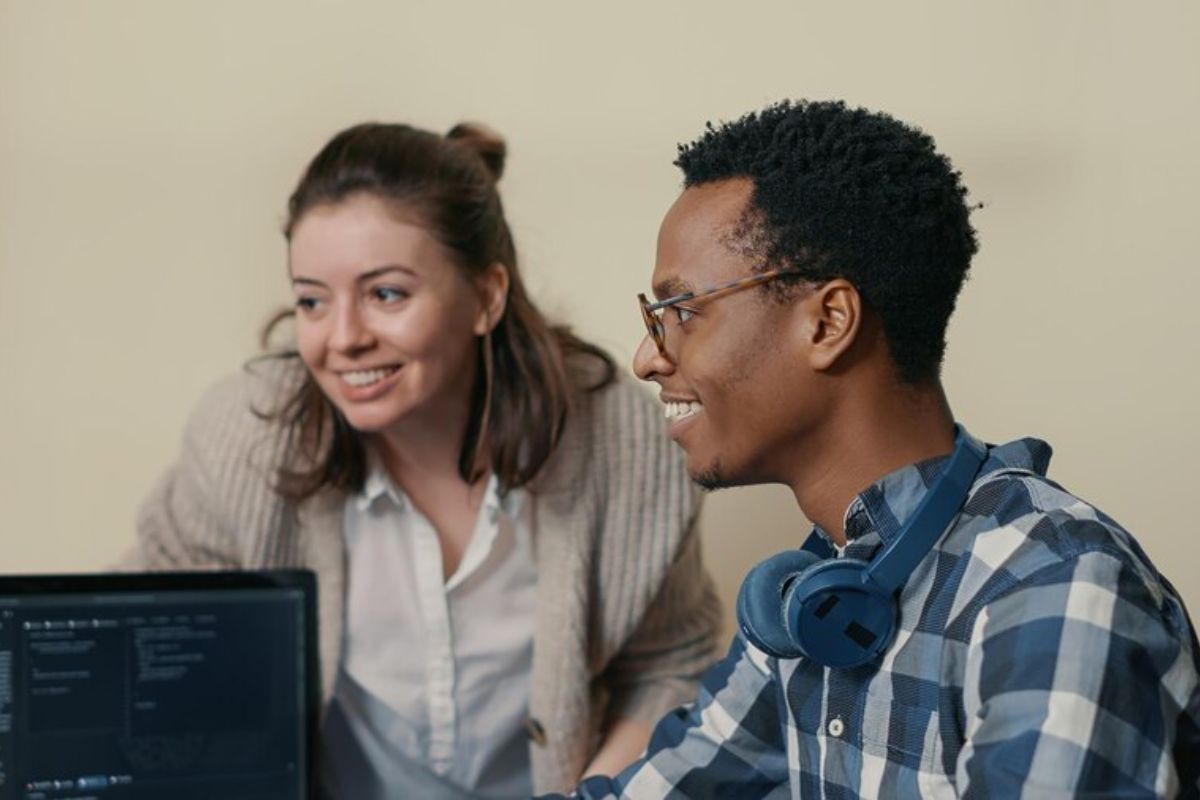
<point x="627" y="618"/>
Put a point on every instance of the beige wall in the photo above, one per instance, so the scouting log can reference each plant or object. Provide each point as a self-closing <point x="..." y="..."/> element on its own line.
<point x="146" y="149"/>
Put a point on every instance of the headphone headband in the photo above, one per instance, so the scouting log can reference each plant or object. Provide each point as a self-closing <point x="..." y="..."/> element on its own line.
<point x="941" y="504"/>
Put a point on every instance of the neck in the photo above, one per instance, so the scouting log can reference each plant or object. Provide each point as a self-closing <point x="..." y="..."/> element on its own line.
<point x="870" y="435"/>
<point x="425" y="449"/>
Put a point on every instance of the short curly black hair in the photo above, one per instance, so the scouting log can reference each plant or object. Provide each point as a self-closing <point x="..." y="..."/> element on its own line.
<point x="856" y="194"/>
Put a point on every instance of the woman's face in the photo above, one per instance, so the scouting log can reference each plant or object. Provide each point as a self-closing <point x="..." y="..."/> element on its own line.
<point x="386" y="321"/>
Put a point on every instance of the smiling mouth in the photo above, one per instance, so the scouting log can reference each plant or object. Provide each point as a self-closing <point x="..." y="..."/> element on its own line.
<point x="367" y="377"/>
<point x="677" y="411"/>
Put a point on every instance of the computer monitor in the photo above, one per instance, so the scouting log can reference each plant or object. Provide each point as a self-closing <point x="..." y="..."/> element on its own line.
<point x="175" y="686"/>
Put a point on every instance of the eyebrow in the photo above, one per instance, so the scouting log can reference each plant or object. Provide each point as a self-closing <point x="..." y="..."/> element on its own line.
<point x="366" y="276"/>
<point x="670" y="287"/>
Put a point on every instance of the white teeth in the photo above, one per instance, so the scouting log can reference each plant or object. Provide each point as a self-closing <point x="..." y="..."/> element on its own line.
<point x="368" y="376"/>
<point x="674" y="411"/>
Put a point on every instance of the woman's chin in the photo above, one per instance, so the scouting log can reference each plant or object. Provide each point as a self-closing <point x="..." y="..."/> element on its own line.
<point x="367" y="423"/>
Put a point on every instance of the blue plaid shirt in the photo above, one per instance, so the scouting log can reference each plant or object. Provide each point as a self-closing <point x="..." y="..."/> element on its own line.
<point x="1039" y="653"/>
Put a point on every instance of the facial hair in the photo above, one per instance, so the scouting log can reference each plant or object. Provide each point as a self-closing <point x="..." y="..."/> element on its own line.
<point x="711" y="478"/>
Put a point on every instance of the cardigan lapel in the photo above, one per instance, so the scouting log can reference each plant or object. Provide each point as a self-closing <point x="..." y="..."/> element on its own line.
<point x="559" y="696"/>
<point x="561" y="584"/>
<point x="323" y="550"/>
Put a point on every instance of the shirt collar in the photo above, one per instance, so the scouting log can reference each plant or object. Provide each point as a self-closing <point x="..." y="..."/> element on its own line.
<point x="879" y="512"/>
<point x="379" y="484"/>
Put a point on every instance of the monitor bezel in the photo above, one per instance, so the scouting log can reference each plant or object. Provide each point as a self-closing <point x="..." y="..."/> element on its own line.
<point x="184" y="581"/>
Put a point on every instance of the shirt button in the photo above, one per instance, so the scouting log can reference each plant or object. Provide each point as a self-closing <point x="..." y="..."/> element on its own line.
<point x="836" y="727"/>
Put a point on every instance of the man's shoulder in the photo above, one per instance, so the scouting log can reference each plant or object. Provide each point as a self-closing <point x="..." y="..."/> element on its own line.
<point x="1021" y="529"/>
<point x="1020" y="520"/>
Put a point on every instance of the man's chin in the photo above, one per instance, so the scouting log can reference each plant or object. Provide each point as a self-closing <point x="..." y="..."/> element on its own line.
<point x="711" y="478"/>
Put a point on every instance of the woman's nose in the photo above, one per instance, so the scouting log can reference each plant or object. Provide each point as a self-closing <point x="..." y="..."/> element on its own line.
<point x="350" y="331"/>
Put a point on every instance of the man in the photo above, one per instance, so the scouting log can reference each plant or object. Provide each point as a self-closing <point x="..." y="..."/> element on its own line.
<point x="804" y="278"/>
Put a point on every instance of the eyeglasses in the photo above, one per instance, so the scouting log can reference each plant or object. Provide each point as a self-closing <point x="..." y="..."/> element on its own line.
<point x="652" y="313"/>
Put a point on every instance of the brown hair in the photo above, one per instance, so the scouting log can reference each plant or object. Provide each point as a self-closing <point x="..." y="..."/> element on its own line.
<point x="524" y="384"/>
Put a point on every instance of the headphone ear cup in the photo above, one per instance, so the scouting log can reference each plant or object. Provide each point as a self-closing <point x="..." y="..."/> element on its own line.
<point x="760" y="606"/>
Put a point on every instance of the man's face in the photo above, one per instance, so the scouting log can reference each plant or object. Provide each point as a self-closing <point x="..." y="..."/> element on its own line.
<point x="736" y="388"/>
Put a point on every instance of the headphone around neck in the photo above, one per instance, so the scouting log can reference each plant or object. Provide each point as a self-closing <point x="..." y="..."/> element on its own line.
<point x="842" y="612"/>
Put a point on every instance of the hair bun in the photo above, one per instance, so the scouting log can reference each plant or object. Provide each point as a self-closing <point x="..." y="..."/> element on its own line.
<point x="486" y="143"/>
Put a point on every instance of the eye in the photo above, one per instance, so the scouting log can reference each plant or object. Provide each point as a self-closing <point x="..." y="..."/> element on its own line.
<point x="307" y="304"/>
<point x="388" y="294"/>
<point x="682" y="314"/>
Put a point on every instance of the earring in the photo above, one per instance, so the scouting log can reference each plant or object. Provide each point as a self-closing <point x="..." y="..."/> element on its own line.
<point x="489" y="366"/>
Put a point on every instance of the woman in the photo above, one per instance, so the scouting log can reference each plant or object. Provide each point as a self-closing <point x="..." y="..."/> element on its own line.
<point x="510" y="581"/>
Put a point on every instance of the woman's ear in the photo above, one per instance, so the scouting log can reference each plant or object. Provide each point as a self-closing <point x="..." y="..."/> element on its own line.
<point x="836" y="314"/>
<point x="493" y="292"/>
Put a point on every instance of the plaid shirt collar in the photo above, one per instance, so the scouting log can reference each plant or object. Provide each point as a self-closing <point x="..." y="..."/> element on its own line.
<point x="878" y="513"/>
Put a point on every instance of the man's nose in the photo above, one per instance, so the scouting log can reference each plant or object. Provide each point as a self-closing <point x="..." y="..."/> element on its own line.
<point x="648" y="362"/>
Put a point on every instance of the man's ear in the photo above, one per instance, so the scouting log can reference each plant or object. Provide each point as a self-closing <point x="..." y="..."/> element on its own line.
<point x="835" y="312"/>
<point x="493" y="292"/>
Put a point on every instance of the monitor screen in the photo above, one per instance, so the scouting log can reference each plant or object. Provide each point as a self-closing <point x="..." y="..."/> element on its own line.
<point x="179" y="686"/>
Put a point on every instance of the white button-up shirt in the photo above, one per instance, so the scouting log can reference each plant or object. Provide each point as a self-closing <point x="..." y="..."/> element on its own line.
<point x="435" y="673"/>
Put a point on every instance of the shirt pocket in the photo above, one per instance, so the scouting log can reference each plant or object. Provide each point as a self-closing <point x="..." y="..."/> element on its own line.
<point x="900" y="733"/>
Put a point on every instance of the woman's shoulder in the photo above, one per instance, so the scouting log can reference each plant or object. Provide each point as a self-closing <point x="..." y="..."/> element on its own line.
<point x="619" y="430"/>
<point x="615" y="400"/>
<point x="261" y="385"/>
<point x="237" y="414"/>
<point x="216" y="505"/>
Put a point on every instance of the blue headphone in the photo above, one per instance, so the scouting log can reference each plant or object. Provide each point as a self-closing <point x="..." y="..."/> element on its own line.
<point x="841" y="612"/>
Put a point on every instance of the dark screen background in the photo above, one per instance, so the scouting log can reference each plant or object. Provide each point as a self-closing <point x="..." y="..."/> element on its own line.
<point x="177" y="695"/>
